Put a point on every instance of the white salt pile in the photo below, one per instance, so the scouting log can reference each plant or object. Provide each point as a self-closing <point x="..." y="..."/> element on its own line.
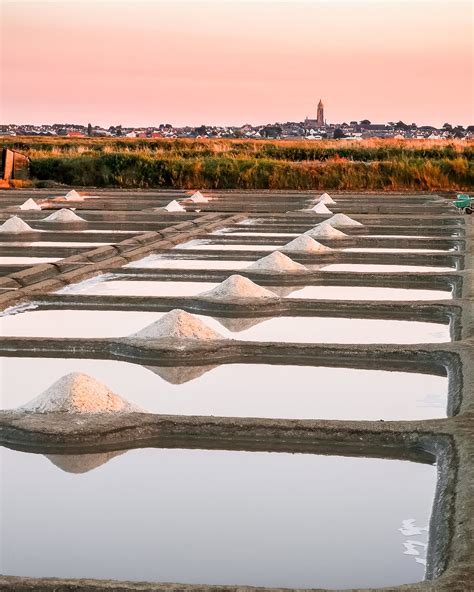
<point x="198" y="197"/>
<point x="174" y="206"/>
<point x="305" y="244"/>
<point x="64" y="215"/>
<point x="29" y="204"/>
<point x="73" y="196"/>
<point x="177" y="324"/>
<point x="276" y="262"/>
<point x="342" y="220"/>
<point x="15" y="225"/>
<point x="321" y="208"/>
<point x="325" y="230"/>
<point x="237" y="286"/>
<point x="78" y="393"/>
<point x="326" y="199"/>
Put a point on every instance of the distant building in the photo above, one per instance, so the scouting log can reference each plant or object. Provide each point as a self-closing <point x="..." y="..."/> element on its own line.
<point x="320" y="115"/>
<point x="319" y="122"/>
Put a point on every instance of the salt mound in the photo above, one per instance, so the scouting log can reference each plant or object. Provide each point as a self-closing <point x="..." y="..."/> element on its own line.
<point x="305" y="244"/>
<point x="15" y="225"/>
<point x="174" y="206"/>
<point x="325" y="230"/>
<point x="321" y="208"/>
<point x="73" y="196"/>
<point x="78" y="393"/>
<point x="29" y="204"/>
<point x="179" y="374"/>
<point x="342" y="220"/>
<point x="198" y="197"/>
<point x="81" y="463"/>
<point x="237" y="286"/>
<point x="177" y="324"/>
<point x="64" y="215"/>
<point x="326" y="199"/>
<point x="276" y="262"/>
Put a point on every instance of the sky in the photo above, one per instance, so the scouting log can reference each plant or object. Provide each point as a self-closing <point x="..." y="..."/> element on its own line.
<point x="231" y="62"/>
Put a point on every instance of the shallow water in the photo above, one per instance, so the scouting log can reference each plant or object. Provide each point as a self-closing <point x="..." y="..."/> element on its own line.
<point x="241" y="390"/>
<point x="385" y="250"/>
<point x="158" y="262"/>
<point x="375" y="268"/>
<point x="203" y="245"/>
<point x="53" y="244"/>
<point x="365" y="293"/>
<point x="142" y="288"/>
<point x="214" y="517"/>
<point x="92" y="323"/>
<point x="24" y="260"/>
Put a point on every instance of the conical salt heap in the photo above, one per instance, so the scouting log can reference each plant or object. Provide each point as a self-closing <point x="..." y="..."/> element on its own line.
<point x="325" y="230"/>
<point x="177" y="324"/>
<point x="174" y="206"/>
<point x="305" y="244"/>
<point x="321" y="208"/>
<point x="15" y="225"/>
<point x="29" y="204"/>
<point x="78" y="393"/>
<point x="64" y="215"/>
<point x="237" y="287"/>
<point x="342" y="220"/>
<point x="326" y="199"/>
<point x="276" y="262"/>
<point x="73" y="196"/>
<point x="82" y="463"/>
<point x="198" y="197"/>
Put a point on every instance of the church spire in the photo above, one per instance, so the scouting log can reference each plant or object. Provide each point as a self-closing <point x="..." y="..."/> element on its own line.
<point x="320" y="116"/>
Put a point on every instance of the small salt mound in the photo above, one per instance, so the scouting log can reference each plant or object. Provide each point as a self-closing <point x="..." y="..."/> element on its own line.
<point x="64" y="215"/>
<point x="237" y="286"/>
<point x="198" y="197"/>
<point x="177" y="324"/>
<point x="78" y="393"/>
<point x="325" y="230"/>
<point x="305" y="244"/>
<point x="342" y="220"/>
<point x="15" y="225"/>
<point x="29" y="204"/>
<point x="326" y="199"/>
<point x="321" y="208"/>
<point x="73" y="196"/>
<point x="276" y="262"/>
<point x="174" y="206"/>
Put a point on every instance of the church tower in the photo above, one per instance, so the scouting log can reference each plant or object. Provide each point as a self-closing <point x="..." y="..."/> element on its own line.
<point x="320" y="117"/>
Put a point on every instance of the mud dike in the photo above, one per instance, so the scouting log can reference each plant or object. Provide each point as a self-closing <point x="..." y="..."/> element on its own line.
<point x="350" y="357"/>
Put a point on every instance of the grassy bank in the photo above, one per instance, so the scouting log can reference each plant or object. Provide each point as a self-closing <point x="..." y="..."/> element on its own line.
<point x="227" y="164"/>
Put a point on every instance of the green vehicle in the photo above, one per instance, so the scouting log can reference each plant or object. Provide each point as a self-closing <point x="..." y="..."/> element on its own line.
<point x="463" y="203"/>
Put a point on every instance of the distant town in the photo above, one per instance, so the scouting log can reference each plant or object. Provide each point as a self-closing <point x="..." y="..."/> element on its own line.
<point x="308" y="129"/>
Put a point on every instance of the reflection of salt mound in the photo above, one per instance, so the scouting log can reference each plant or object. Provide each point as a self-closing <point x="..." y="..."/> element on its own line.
<point x="73" y="196"/>
<point x="174" y="206"/>
<point x="236" y="325"/>
<point x="276" y="262"/>
<point x="321" y="208"/>
<point x="177" y="324"/>
<point x="305" y="244"/>
<point x="82" y="463"/>
<point x="237" y="286"/>
<point x="326" y="199"/>
<point x="283" y="291"/>
<point x="325" y="230"/>
<point x="342" y="220"/>
<point x="29" y="204"/>
<point x="15" y="225"/>
<point x="64" y="215"/>
<point x="198" y="197"/>
<point x="78" y="393"/>
<point x="179" y="374"/>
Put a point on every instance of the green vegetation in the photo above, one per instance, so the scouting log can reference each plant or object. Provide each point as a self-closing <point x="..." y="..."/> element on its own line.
<point x="227" y="164"/>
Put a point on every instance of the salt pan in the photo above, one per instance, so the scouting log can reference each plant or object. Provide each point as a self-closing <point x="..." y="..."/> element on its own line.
<point x="276" y="262"/>
<point x="177" y="324"/>
<point x="15" y="225"/>
<point x="237" y="286"/>
<point x="305" y="244"/>
<point x="78" y="393"/>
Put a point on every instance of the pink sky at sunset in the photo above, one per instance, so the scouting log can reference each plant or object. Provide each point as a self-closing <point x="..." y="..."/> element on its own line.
<point x="235" y="62"/>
